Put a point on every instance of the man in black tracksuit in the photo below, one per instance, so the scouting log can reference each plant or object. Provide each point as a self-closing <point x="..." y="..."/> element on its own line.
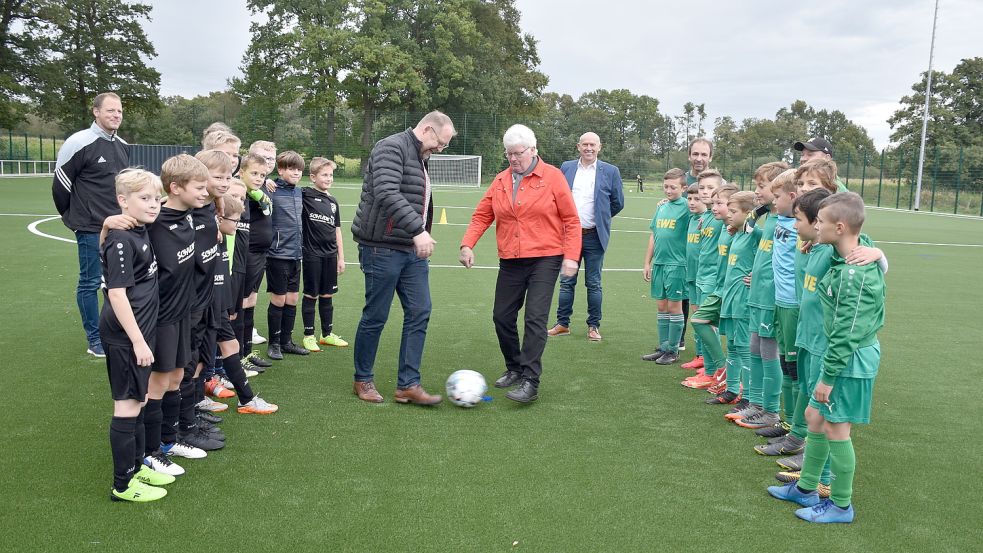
<point x="84" y="191"/>
<point x="391" y="227"/>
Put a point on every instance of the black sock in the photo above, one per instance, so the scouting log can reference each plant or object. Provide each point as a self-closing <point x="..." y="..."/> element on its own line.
<point x="307" y="310"/>
<point x="247" y="331"/>
<point x="233" y="368"/>
<point x="153" y="418"/>
<point x="141" y="440"/>
<point x="170" y="407"/>
<point x="287" y="327"/>
<point x="682" y="336"/>
<point x="122" y="442"/>
<point x="274" y="318"/>
<point x="793" y="369"/>
<point x="326" y="309"/>
<point x="783" y="364"/>
<point x="186" y="415"/>
<point x="200" y="388"/>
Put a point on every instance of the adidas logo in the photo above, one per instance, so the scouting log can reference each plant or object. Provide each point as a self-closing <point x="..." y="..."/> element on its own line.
<point x="101" y="160"/>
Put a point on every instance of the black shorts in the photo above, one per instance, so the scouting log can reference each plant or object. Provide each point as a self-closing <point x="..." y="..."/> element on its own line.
<point x="320" y="276"/>
<point x="172" y="349"/>
<point x="223" y="328"/>
<point x="203" y="337"/>
<point x="255" y="270"/>
<point x="282" y="276"/>
<point x="237" y="287"/>
<point x="127" y="380"/>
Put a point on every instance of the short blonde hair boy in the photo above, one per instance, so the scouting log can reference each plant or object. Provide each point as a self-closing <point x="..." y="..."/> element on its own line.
<point x="134" y="179"/>
<point x="784" y="181"/>
<point x="675" y="174"/>
<point x="182" y="169"/>
<point x="215" y="160"/>
<point x="744" y="200"/>
<point x="768" y="171"/>
<point x="261" y="145"/>
<point x="319" y="163"/>
<point x="215" y="139"/>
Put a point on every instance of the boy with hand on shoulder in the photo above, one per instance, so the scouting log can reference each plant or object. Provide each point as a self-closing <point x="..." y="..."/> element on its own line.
<point x="324" y="257"/>
<point x="852" y="298"/>
<point x="255" y="236"/>
<point x="128" y="328"/>
<point x="706" y="272"/>
<point x="665" y="266"/>
<point x="285" y="255"/>
<point x="698" y="211"/>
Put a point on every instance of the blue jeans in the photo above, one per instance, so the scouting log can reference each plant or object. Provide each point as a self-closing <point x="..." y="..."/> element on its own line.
<point x="592" y="255"/>
<point x="90" y="279"/>
<point x="388" y="271"/>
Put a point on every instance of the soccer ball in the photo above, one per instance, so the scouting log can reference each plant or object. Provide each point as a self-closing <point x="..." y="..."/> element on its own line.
<point x="465" y="388"/>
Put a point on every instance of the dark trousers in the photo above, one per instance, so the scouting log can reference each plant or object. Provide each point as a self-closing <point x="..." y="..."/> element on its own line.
<point x="528" y="281"/>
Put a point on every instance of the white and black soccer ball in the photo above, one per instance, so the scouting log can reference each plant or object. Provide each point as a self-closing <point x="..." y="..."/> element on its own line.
<point x="466" y="388"/>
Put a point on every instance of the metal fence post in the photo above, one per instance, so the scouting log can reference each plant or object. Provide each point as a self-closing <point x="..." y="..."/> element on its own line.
<point x="897" y="200"/>
<point x="10" y="144"/>
<point x="848" y="160"/>
<point x="935" y="174"/>
<point x="27" y="154"/>
<point x="959" y="179"/>
<point x="880" y="179"/>
<point x="863" y="174"/>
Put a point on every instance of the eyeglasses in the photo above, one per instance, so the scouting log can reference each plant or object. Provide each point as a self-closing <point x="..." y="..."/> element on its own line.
<point x="228" y="219"/>
<point x="516" y="154"/>
<point x="440" y="145"/>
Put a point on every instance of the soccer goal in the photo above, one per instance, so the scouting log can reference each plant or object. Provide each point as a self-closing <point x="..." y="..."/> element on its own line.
<point x="455" y="170"/>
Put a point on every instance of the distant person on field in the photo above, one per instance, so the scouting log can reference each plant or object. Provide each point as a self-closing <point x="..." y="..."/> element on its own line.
<point x="641" y="184"/>
<point x="598" y="194"/>
<point x="84" y="191"/>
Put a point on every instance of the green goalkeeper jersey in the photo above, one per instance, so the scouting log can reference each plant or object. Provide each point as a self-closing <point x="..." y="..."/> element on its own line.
<point x="740" y="259"/>
<point x="708" y="262"/>
<point x="669" y="227"/>
<point x="762" y="293"/>
<point x="853" y="312"/>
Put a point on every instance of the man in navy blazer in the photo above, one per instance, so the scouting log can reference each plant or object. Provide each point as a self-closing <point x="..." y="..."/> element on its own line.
<point x="597" y="191"/>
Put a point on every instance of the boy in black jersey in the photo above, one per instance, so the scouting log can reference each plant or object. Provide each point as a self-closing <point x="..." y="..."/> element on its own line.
<point x="173" y="239"/>
<point x="128" y="329"/>
<point x="285" y="255"/>
<point x="324" y="256"/>
<point x="253" y="172"/>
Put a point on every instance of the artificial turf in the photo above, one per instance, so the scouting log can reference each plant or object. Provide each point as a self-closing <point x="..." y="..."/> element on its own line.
<point x="615" y="455"/>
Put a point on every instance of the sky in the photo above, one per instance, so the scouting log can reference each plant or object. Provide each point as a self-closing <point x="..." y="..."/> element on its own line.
<point x="747" y="58"/>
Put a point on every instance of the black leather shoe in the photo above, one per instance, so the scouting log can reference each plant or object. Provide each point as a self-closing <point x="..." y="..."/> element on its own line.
<point x="293" y="349"/>
<point x="507" y="380"/>
<point x="525" y="393"/>
<point x="659" y="352"/>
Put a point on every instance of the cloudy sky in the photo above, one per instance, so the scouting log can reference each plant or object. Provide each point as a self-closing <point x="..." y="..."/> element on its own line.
<point x="744" y="59"/>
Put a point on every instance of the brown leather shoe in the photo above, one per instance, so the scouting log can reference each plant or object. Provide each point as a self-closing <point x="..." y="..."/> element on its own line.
<point x="593" y="334"/>
<point x="558" y="330"/>
<point x="366" y="392"/>
<point x="416" y="394"/>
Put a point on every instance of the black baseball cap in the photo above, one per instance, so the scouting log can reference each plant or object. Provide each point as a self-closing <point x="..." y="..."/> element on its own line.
<point x="815" y="145"/>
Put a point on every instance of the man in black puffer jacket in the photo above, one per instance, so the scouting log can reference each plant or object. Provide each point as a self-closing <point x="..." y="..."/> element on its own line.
<point x="391" y="227"/>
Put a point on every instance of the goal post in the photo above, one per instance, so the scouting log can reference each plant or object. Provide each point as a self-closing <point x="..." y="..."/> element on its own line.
<point x="455" y="170"/>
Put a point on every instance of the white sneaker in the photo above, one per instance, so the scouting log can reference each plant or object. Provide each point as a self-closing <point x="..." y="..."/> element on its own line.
<point x="226" y="383"/>
<point x="211" y="406"/>
<point x="160" y="463"/>
<point x="250" y="373"/>
<point x="181" y="449"/>
<point x="257" y="339"/>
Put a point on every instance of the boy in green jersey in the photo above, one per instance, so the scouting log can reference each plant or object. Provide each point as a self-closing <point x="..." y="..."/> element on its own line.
<point x="764" y="389"/>
<point x="852" y="298"/>
<point x="706" y="263"/>
<point x="707" y="317"/>
<point x="697" y="210"/>
<point x="665" y="266"/>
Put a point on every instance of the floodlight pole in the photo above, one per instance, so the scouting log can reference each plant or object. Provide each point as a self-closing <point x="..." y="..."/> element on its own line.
<point x="928" y="96"/>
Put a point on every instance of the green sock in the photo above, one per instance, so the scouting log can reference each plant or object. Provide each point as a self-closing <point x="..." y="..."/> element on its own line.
<point x="676" y="324"/>
<point x="788" y="396"/>
<point x="713" y="354"/>
<point x="754" y="389"/>
<point x="663" y="330"/>
<point x="816" y="452"/>
<point x="736" y="368"/>
<point x="771" y="384"/>
<point x="843" y="463"/>
<point x="799" y="426"/>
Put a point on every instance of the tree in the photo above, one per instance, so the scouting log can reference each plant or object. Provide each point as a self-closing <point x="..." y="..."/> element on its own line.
<point x="21" y="53"/>
<point x="956" y="112"/>
<point x="98" y="46"/>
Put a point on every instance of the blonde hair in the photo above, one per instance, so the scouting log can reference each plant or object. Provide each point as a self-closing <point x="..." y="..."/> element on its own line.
<point x="134" y="179"/>
<point x="215" y="127"/>
<point x="725" y="189"/>
<point x="785" y="181"/>
<point x="240" y="184"/>
<point x="675" y="174"/>
<point x="319" y="163"/>
<point x="215" y="139"/>
<point x="251" y="159"/>
<point x="744" y="200"/>
<point x="770" y="170"/>
<point x="824" y="169"/>
<point x="216" y="160"/>
<point x="710" y="174"/>
<point x="232" y="206"/>
<point x="847" y="208"/>
<point x="261" y="145"/>
<point x="182" y="169"/>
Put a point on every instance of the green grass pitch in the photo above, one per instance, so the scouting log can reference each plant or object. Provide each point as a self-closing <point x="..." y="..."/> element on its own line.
<point x="615" y="456"/>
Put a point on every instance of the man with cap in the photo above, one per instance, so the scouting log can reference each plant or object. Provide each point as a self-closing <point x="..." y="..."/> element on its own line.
<point x="816" y="148"/>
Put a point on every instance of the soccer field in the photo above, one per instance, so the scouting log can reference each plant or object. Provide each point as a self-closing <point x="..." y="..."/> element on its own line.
<point x="615" y="455"/>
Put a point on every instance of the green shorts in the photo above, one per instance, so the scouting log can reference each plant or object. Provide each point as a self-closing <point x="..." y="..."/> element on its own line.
<point x="761" y="321"/>
<point x="668" y="282"/>
<point x="849" y="402"/>
<point x="736" y="330"/>
<point x="693" y="293"/>
<point x="786" y="319"/>
<point x="709" y="310"/>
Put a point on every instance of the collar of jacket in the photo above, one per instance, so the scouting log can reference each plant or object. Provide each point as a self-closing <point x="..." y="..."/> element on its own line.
<point x="417" y="144"/>
<point x="280" y="183"/>
<point x="102" y="132"/>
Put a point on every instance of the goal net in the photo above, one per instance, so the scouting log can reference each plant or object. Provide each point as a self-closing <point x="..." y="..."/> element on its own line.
<point x="455" y="170"/>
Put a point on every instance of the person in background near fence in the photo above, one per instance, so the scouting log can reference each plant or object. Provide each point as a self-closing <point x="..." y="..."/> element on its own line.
<point x="818" y="148"/>
<point x="84" y="192"/>
<point x="599" y="196"/>
<point x="392" y="227"/>
<point x="538" y="233"/>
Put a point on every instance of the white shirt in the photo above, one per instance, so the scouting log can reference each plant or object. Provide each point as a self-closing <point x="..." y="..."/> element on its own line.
<point x="583" y="193"/>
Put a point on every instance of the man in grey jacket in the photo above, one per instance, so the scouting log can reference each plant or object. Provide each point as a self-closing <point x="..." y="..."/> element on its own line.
<point x="391" y="226"/>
